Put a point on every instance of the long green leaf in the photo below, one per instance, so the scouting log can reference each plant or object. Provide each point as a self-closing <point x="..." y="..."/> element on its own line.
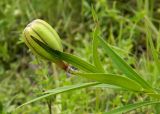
<point x="112" y="79"/>
<point x="61" y="90"/>
<point x="131" y="107"/>
<point x="96" y="58"/>
<point x="124" y="67"/>
<point x="74" y="60"/>
<point x="96" y="32"/>
<point x="153" y="49"/>
<point x="97" y="85"/>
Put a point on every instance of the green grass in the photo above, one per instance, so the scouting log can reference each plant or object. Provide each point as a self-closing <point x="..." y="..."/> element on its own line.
<point x="130" y="33"/>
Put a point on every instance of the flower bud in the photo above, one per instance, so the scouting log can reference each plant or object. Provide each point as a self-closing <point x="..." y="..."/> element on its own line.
<point x="42" y="31"/>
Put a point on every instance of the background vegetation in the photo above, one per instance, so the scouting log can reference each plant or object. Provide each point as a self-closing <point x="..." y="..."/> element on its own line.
<point x="125" y="24"/>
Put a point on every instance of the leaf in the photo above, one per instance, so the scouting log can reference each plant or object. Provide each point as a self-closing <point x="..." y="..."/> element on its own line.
<point x="74" y="60"/>
<point x="131" y="107"/>
<point x="124" y="67"/>
<point x="60" y="90"/>
<point x="152" y="26"/>
<point x="96" y="58"/>
<point x="112" y="79"/>
<point x="153" y="49"/>
<point x="98" y="85"/>
<point x="94" y="15"/>
<point x="119" y="50"/>
<point x="95" y="42"/>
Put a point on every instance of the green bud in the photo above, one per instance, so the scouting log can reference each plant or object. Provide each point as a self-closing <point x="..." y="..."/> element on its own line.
<point x="42" y="31"/>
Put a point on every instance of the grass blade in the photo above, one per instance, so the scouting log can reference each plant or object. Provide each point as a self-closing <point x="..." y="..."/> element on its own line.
<point x="96" y="32"/>
<point x="61" y="90"/>
<point x="97" y="85"/>
<point x="152" y="47"/>
<point x="131" y="107"/>
<point x="124" y="67"/>
<point x="96" y="58"/>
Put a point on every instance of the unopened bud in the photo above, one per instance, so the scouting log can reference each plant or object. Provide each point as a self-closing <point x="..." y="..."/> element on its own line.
<point x="42" y="31"/>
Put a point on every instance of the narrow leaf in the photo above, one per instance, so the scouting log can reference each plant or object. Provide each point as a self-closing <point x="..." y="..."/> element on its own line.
<point x="96" y="58"/>
<point x="95" y="42"/>
<point x="124" y="67"/>
<point x="112" y="79"/>
<point x="131" y="107"/>
<point x="97" y="85"/>
<point x="94" y="15"/>
<point x="153" y="49"/>
<point x="60" y="90"/>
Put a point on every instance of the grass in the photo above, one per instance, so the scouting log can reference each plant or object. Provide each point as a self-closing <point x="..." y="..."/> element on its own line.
<point x="130" y="29"/>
